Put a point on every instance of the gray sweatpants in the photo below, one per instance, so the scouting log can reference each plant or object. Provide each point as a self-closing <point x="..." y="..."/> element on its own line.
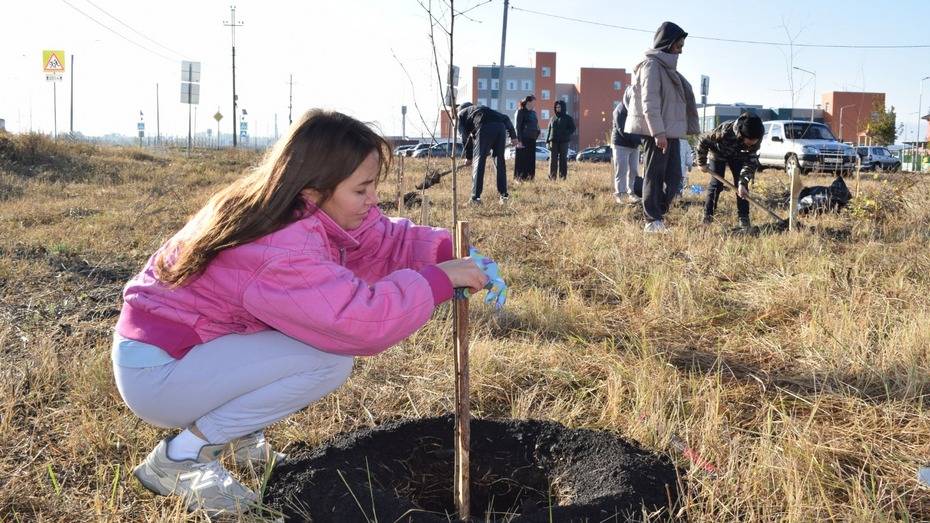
<point x="626" y="169"/>
<point x="233" y="385"/>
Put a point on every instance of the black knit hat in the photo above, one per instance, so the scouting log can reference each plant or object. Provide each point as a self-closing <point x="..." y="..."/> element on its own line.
<point x="750" y="126"/>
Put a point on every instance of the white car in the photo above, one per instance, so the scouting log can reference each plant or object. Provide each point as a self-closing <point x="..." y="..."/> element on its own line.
<point x="542" y="154"/>
<point x="803" y="145"/>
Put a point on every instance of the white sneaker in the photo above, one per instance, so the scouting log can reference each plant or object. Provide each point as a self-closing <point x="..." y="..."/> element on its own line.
<point x="655" y="226"/>
<point x="203" y="483"/>
<point x="254" y="449"/>
<point x="632" y="199"/>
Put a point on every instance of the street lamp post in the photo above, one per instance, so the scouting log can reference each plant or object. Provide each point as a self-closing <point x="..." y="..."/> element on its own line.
<point x="814" y="97"/>
<point x="920" y="102"/>
<point x="841" y="120"/>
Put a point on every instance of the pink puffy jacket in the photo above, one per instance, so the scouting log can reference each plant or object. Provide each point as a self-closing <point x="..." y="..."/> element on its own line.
<point x="349" y="292"/>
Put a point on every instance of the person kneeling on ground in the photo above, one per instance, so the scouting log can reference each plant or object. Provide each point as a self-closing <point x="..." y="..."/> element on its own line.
<point x="256" y="308"/>
<point x="734" y="144"/>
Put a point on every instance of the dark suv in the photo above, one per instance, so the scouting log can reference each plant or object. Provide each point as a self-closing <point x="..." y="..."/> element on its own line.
<point x="878" y="159"/>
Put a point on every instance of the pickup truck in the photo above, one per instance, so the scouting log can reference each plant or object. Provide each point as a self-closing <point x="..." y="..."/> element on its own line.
<point x="808" y="146"/>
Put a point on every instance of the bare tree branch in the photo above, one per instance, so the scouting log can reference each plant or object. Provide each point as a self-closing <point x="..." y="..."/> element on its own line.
<point x="433" y="20"/>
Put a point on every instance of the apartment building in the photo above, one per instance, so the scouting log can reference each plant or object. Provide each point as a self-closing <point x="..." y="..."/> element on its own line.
<point x="590" y="101"/>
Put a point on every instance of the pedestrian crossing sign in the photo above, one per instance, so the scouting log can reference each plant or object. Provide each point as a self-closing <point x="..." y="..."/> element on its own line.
<point x="53" y="61"/>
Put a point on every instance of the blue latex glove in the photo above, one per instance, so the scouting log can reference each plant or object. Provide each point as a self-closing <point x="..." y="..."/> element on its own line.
<point x="497" y="289"/>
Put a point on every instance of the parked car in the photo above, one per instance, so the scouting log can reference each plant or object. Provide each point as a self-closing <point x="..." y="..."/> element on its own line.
<point x="401" y="150"/>
<point x="439" y="150"/>
<point x="542" y="143"/>
<point x="878" y="159"/>
<point x="808" y="146"/>
<point x="542" y="154"/>
<point x="418" y="147"/>
<point x="601" y="153"/>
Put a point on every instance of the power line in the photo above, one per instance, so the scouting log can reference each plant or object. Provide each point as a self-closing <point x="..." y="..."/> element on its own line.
<point x="728" y="40"/>
<point x="104" y="11"/>
<point x="108" y="28"/>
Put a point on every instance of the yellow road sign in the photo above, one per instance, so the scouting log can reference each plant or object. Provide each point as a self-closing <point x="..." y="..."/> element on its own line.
<point x="53" y="61"/>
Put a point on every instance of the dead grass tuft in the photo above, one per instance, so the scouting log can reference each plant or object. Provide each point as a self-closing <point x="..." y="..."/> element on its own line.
<point x="797" y="363"/>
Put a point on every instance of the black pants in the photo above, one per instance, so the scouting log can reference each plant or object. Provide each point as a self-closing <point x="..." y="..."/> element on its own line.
<point x="716" y="187"/>
<point x="490" y="137"/>
<point x="524" y="165"/>
<point x="558" y="160"/>
<point x="661" y="176"/>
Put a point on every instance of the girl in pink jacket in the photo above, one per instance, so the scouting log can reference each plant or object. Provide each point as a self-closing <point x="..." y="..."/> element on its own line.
<point x="255" y="309"/>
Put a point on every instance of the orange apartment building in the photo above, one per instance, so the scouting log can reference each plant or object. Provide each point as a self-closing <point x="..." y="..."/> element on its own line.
<point x="856" y="110"/>
<point x="590" y="101"/>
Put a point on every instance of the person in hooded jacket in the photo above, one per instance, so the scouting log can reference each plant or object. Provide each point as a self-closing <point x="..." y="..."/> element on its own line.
<point x="561" y="129"/>
<point x="735" y="144"/>
<point x="662" y="110"/>
<point x="524" y="165"/>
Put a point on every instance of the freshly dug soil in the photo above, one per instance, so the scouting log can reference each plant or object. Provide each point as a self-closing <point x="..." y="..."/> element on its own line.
<point x="521" y="471"/>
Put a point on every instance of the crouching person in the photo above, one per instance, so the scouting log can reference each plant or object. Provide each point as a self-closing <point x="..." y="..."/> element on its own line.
<point x="256" y="308"/>
<point x="734" y="144"/>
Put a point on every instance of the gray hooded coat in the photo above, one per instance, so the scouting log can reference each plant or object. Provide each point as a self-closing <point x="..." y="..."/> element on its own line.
<point x="663" y="101"/>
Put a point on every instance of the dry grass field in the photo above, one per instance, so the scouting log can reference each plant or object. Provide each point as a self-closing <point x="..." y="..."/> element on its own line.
<point x="798" y="363"/>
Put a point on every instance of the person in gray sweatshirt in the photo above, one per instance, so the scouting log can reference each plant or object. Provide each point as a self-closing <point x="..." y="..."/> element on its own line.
<point x="662" y="109"/>
<point x="626" y="154"/>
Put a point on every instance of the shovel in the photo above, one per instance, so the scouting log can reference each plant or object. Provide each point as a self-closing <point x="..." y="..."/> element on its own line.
<point x="781" y="221"/>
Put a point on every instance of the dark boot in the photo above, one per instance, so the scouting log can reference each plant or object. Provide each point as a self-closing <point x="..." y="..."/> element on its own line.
<point x="744" y="222"/>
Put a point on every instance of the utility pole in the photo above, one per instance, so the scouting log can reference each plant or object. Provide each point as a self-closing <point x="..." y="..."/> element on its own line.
<point x="55" y="109"/>
<point x="290" y="102"/>
<point x="72" y="96"/>
<point x="157" y="118"/>
<point x="232" y="24"/>
<point x="500" y="76"/>
<point x="920" y="101"/>
<point x="403" y="121"/>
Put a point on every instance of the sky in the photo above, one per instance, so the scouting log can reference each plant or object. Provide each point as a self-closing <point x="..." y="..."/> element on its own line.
<point x="367" y="58"/>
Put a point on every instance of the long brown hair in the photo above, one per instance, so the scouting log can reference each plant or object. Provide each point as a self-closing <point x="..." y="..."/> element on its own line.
<point x="320" y="150"/>
<point x="526" y="99"/>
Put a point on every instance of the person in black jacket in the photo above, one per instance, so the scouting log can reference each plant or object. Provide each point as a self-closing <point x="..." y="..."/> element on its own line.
<point x="626" y="154"/>
<point x="524" y="168"/>
<point x="484" y="131"/>
<point x="734" y="144"/>
<point x="561" y="129"/>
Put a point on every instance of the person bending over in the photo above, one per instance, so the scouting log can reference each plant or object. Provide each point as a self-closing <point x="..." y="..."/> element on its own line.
<point x="484" y="131"/>
<point x="733" y="144"/>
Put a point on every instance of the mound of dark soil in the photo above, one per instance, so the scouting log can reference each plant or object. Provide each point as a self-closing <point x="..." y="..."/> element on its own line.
<point x="521" y="471"/>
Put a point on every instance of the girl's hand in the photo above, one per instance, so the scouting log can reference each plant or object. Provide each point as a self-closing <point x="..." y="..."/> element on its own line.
<point x="464" y="272"/>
